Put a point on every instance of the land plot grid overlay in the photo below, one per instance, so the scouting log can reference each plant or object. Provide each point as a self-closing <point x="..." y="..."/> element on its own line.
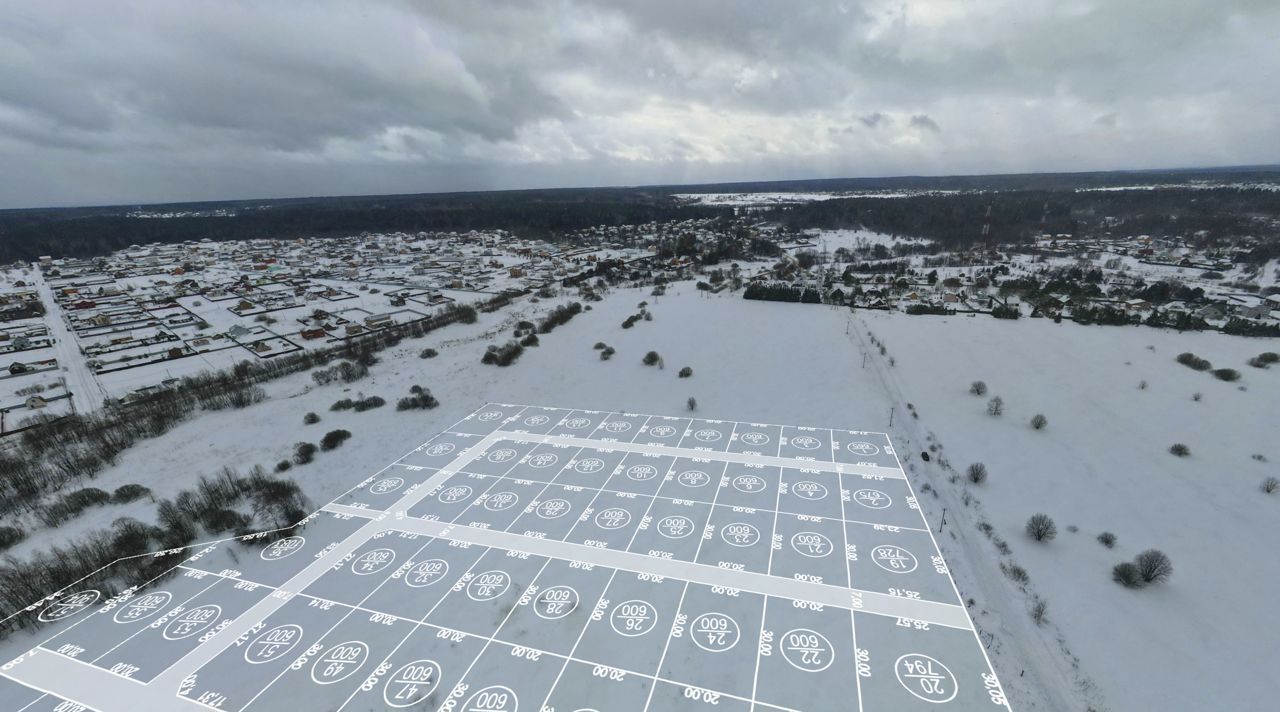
<point x="550" y="559"/>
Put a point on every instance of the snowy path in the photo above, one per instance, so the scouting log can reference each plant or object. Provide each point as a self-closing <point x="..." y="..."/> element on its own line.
<point x="81" y="382"/>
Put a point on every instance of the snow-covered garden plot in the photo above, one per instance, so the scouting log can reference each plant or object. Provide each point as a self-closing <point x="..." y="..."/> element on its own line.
<point x="1116" y="400"/>
<point x="538" y="558"/>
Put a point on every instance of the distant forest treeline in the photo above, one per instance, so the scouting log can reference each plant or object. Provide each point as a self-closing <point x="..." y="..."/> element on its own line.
<point x="957" y="219"/>
<point x="1018" y="205"/>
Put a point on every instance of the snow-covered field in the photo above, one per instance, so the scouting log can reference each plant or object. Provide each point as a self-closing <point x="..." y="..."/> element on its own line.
<point x="1205" y="639"/>
<point x="1199" y="641"/>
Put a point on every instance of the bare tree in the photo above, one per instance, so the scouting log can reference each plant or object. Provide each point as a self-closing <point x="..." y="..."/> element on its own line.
<point x="1153" y="566"/>
<point x="977" y="473"/>
<point x="978" y="388"/>
<point x="995" y="406"/>
<point x="1041" y="527"/>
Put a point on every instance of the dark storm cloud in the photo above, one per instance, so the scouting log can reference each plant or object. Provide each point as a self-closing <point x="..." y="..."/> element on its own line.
<point x="145" y="100"/>
<point x="923" y="122"/>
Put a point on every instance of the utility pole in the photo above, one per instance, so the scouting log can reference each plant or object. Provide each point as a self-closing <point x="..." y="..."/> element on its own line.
<point x="944" y="520"/>
<point x="864" y="359"/>
<point x="891" y="416"/>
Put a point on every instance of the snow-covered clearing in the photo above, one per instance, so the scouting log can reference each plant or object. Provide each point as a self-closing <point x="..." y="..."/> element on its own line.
<point x="1203" y="640"/>
<point x="1102" y="463"/>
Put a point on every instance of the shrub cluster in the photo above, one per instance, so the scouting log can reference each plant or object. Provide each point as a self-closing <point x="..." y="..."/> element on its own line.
<point x="344" y="371"/>
<point x="359" y="405"/>
<point x="559" y="316"/>
<point x="428" y="353"/>
<point x="419" y="398"/>
<point x="334" y="439"/>
<point x="1151" y="566"/>
<point x="503" y="355"/>
<point x="70" y="505"/>
<point x="1190" y="360"/>
<point x="129" y="493"/>
<point x="1041" y="527"/>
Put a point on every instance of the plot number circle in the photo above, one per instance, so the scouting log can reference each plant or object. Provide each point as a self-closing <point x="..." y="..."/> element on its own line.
<point x="455" y="493"/>
<point x="425" y="573"/>
<point x="384" y="486"/>
<point x="192" y="621"/>
<point x="69" y="605"/>
<point x="502" y="455"/>
<point x="715" y="632"/>
<point x="755" y="438"/>
<point x="589" y="465"/>
<point x="749" y="483"/>
<point x="707" y="435"/>
<point x="807" y="650"/>
<point x="488" y="585"/>
<point x="809" y="490"/>
<point x="543" y="459"/>
<point x="553" y="508"/>
<point x="894" y="559"/>
<point x="495" y="698"/>
<point x="287" y="546"/>
<point x="489" y="415"/>
<point x="499" y="501"/>
<point x="371" y="562"/>
<point x="536" y="420"/>
<point x="633" y="618"/>
<point x="440" y="449"/>
<point x="642" y="473"/>
<point x="805" y="442"/>
<point x="662" y="431"/>
<point x="676" y="526"/>
<point x="143" y="606"/>
<point x="576" y="423"/>
<point x="863" y="449"/>
<point x="739" y="534"/>
<point x="872" y="498"/>
<point x="613" y="518"/>
<point x="411" y="684"/>
<point x="272" y="644"/>
<point x="694" y="478"/>
<point x="925" y="678"/>
<point x="811" y="544"/>
<point x="339" y="662"/>
<point x="617" y="426"/>
<point x="555" y="602"/>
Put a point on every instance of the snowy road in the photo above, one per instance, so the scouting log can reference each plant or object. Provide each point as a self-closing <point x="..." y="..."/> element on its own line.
<point x="72" y="365"/>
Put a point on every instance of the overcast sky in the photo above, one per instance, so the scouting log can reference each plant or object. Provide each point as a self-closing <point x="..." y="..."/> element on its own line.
<point x="130" y="102"/>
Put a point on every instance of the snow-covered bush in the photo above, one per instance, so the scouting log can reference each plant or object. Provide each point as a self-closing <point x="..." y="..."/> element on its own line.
<point x="304" y="453"/>
<point x="1038" y="421"/>
<point x="651" y="358"/>
<point x="1153" y="566"/>
<point x="692" y="403"/>
<point x="1107" y="539"/>
<point x="129" y="493"/>
<point x="310" y="419"/>
<point x="607" y="353"/>
<point x="686" y="372"/>
<point x="1041" y="527"/>
<point x="334" y="439"/>
<point x="995" y="406"/>
<point x="1190" y="360"/>
<point x="1039" y="608"/>
<point x="1226" y="374"/>
<point x="977" y="473"/>
<point x="1126" y="574"/>
<point x="428" y="353"/>
<point x="1270" y="485"/>
<point x="1180" y="450"/>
